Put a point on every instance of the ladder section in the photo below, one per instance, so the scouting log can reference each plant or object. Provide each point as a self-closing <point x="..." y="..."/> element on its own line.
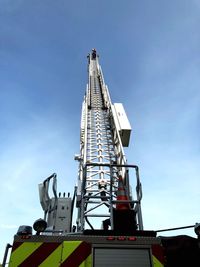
<point x="102" y="159"/>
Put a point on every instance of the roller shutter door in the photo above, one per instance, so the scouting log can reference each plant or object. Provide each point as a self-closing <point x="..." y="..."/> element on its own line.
<point x="118" y="257"/>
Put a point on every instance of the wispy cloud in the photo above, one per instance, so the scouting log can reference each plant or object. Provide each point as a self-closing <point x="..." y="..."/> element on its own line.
<point x="8" y="226"/>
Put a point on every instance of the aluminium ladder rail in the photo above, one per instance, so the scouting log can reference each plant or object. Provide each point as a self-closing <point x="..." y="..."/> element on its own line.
<point x="102" y="159"/>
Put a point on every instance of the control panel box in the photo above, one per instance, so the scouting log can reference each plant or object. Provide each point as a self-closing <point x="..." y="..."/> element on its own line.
<point x="122" y="123"/>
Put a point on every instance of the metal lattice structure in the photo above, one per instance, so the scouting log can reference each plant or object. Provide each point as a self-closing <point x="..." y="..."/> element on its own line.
<point x="102" y="159"/>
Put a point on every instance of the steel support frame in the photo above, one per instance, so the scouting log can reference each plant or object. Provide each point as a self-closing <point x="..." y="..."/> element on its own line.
<point x="102" y="158"/>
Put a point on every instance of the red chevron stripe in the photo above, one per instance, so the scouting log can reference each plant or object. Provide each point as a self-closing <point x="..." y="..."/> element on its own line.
<point x="39" y="255"/>
<point x="78" y="255"/>
<point x="158" y="252"/>
<point x="16" y="245"/>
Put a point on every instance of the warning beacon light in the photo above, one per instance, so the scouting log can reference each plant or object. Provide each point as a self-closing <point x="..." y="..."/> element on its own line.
<point x="24" y="230"/>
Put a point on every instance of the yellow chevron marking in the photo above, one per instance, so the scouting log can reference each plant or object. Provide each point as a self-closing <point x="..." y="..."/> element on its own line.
<point x="53" y="259"/>
<point x="156" y="262"/>
<point x="68" y="248"/>
<point x="65" y="249"/>
<point x="23" y="252"/>
<point x="87" y="262"/>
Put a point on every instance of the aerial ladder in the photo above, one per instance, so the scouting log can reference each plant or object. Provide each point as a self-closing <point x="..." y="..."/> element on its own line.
<point x="108" y="228"/>
<point x="103" y="181"/>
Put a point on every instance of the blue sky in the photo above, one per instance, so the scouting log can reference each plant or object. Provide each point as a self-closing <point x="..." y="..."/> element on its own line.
<point x="149" y="52"/>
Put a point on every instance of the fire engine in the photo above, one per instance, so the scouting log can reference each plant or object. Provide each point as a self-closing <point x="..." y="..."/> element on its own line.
<point x="108" y="230"/>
